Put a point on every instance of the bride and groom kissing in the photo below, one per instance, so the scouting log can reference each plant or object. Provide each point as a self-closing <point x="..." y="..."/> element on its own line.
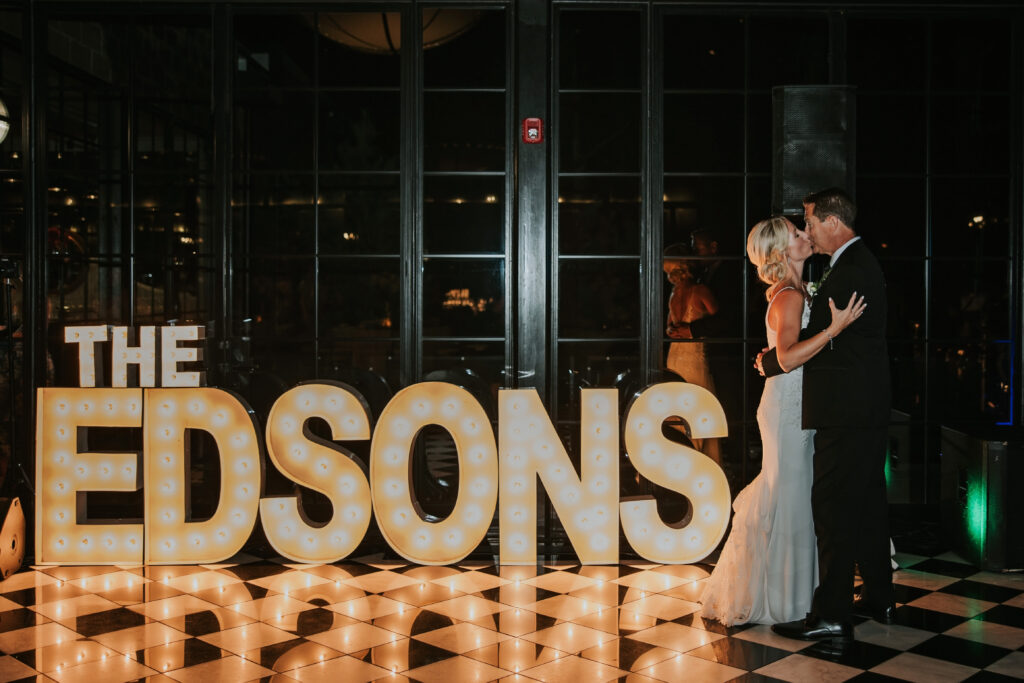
<point x="818" y="507"/>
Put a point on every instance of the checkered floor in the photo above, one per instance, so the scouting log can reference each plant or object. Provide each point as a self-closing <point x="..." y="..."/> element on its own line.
<point x="265" y="619"/>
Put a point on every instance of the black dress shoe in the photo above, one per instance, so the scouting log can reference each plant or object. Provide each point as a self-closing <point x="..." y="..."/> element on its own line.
<point x="863" y="608"/>
<point x="815" y="628"/>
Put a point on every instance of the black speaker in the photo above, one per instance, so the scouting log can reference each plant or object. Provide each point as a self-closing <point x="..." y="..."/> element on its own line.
<point x="814" y="136"/>
<point x="982" y="475"/>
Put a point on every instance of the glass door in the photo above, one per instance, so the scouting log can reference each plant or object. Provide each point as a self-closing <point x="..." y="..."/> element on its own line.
<point x="371" y="213"/>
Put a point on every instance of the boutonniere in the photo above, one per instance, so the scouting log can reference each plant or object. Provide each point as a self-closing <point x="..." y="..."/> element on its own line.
<point x="813" y="287"/>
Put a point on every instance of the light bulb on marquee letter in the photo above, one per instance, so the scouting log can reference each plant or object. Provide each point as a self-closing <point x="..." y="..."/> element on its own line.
<point x="143" y="355"/>
<point x="677" y="468"/>
<point x="62" y="471"/>
<point x="397" y="514"/>
<point x="170" y="537"/>
<point x="322" y="466"/>
<point x="171" y="354"/>
<point x="588" y="505"/>
<point x="86" y="336"/>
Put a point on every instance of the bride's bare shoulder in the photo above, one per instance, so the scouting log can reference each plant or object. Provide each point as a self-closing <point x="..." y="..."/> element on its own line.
<point x="787" y="297"/>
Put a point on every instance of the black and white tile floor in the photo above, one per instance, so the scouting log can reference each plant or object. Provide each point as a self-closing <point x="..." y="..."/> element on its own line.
<point x="362" y="621"/>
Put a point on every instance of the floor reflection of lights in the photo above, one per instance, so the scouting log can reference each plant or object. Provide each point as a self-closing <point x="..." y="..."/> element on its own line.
<point x="362" y="621"/>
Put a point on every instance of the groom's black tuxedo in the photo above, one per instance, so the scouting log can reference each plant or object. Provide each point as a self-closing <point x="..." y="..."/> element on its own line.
<point x="846" y="399"/>
<point x="847" y="384"/>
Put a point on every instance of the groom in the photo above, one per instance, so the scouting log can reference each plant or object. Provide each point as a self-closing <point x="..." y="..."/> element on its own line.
<point x="846" y="399"/>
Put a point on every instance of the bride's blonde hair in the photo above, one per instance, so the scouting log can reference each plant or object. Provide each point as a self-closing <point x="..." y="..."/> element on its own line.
<point x="766" y="248"/>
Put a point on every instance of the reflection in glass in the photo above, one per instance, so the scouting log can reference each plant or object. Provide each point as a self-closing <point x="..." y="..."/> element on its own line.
<point x="463" y="131"/>
<point x="154" y="36"/>
<point x="85" y="214"/>
<point x="358" y="214"/>
<point x="886" y="54"/>
<point x="970" y="381"/>
<point x="84" y="129"/>
<point x="904" y="288"/>
<point x="890" y="133"/>
<point x="11" y="73"/>
<point x="359" y="298"/>
<point x="969" y="134"/>
<point x="703" y="52"/>
<point x="704" y="133"/>
<point x="607" y="143"/>
<point x="12" y="214"/>
<point x="276" y="295"/>
<point x="473" y="53"/>
<point x="804" y="65"/>
<point x="273" y="50"/>
<point x="907" y="370"/>
<point x="759" y="201"/>
<point x="599" y="215"/>
<point x="759" y="130"/>
<point x="891" y="215"/>
<point x="273" y="129"/>
<point x="83" y="289"/>
<point x="970" y="300"/>
<point x="971" y="54"/>
<point x="463" y="214"/>
<point x="599" y="50"/>
<point x="463" y="297"/>
<point x="112" y="40"/>
<point x="598" y="298"/>
<point x="174" y="288"/>
<point x="712" y="205"/>
<point x="166" y="137"/>
<point x="718" y="278"/>
<point x="172" y="216"/>
<point x="274" y="214"/>
<point x="359" y="131"/>
<point x="970" y="217"/>
<point x="344" y="64"/>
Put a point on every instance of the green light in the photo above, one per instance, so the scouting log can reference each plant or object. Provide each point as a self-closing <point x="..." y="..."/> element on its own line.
<point x="888" y="469"/>
<point x="977" y="512"/>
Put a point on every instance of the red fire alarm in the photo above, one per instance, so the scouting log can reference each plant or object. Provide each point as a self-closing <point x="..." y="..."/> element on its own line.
<point x="533" y="131"/>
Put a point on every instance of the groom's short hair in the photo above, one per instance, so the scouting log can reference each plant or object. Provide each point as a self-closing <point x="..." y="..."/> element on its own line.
<point x="833" y="202"/>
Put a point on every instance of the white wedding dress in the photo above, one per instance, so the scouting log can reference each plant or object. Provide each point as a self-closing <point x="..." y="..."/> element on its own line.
<point x="768" y="569"/>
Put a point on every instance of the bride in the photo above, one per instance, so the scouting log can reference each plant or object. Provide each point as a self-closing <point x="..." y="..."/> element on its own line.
<point x="768" y="568"/>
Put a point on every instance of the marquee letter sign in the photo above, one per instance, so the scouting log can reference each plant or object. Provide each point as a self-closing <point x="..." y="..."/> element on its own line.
<point x="678" y="468"/>
<point x="321" y="466"/>
<point x="398" y="515"/>
<point x="505" y="475"/>
<point x="587" y="505"/>
<point x="171" y="538"/>
<point x="65" y="468"/>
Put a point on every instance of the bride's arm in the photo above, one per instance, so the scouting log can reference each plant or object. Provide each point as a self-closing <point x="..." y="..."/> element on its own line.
<point x="785" y="319"/>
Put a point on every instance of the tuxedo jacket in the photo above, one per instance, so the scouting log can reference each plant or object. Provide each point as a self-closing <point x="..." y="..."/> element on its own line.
<point x="847" y="383"/>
